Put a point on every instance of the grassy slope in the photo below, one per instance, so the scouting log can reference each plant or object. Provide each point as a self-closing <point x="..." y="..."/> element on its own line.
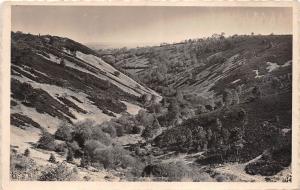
<point x="45" y="93"/>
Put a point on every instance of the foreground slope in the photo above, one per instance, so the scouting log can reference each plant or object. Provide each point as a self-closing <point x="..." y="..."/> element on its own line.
<point x="55" y="80"/>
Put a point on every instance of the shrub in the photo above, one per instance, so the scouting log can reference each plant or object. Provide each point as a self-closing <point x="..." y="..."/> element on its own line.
<point x="61" y="148"/>
<point x="104" y="157"/>
<point x="109" y="128"/>
<point x="174" y="171"/>
<point x="27" y="152"/>
<point x="70" y="156"/>
<point x="52" y="158"/>
<point x="99" y="135"/>
<point x="82" y="134"/>
<point x="113" y="157"/>
<point x="125" y="124"/>
<point x="75" y="148"/>
<point x="263" y="168"/>
<point x="152" y="131"/>
<point x="46" y="141"/>
<point x="64" y="132"/>
<point x="87" y="130"/>
<point x="137" y="129"/>
<point x="91" y="145"/>
<point x="216" y="59"/>
<point x="60" y="172"/>
<point x="120" y="130"/>
<point x="23" y="168"/>
<point x="85" y="160"/>
<point x="225" y="178"/>
<point x="271" y="162"/>
<point x="117" y="73"/>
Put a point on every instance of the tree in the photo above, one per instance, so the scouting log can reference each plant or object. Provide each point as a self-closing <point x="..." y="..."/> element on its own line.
<point x="52" y="158"/>
<point x="64" y="132"/>
<point x="26" y="91"/>
<point x="227" y="97"/>
<point x="225" y="135"/>
<point x="218" y="124"/>
<point x="27" y="152"/>
<point x="236" y="97"/>
<point x="257" y="92"/>
<point x="85" y="160"/>
<point x="155" y="108"/>
<point x="70" y="156"/>
<point x="62" y="62"/>
<point x="173" y="107"/>
<point x="46" y="141"/>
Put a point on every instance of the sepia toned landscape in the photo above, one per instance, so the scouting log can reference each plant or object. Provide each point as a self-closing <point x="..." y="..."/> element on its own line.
<point x="213" y="108"/>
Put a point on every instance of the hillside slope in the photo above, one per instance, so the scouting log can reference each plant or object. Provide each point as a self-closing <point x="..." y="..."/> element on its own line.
<point x="55" y="80"/>
<point x="205" y="67"/>
<point x="229" y="99"/>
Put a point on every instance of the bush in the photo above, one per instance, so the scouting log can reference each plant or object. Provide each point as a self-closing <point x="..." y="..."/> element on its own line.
<point x="87" y="131"/>
<point x="52" y="158"/>
<point x="70" y="156"/>
<point x="64" y="132"/>
<point x="174" y="171"/>
<point x="75" y="148"/>
<point x="23" y="168"/>
<point x="120" y="130"/>
<point x="113" y="157"/>
<point x="125" y="124"/>
<point x="151" y="131"/>
<point x="100" y="136"/>
<point x="216" y="59"/>
<point x="263" y="168"/>
<point x="225" y="178"/>
<point x="27" y="152"/>
<point x="137" y="129"/>
<point x="91" y="145"/>
<point x="104" y="157"/>
<point x="60" y="172"/>
<point x="46" y="141"/>
<point x="109" y="128"/>
<point x="61" y="148"/>
<point x="271" y="162"/>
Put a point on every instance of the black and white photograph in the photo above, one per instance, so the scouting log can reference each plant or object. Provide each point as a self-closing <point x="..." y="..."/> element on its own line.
<point x="151" y="93"/>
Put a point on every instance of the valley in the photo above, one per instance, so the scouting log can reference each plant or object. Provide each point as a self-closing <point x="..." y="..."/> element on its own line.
<point x="208" y="109"/>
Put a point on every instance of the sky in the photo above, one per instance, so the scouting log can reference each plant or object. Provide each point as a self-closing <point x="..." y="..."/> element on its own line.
<point x="139" y="26"/>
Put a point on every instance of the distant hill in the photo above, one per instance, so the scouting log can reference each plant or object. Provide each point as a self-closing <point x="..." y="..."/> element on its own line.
<point x="205" y="67"/>
<point x="216" y="76"/>
<point x="115" y="45"/>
